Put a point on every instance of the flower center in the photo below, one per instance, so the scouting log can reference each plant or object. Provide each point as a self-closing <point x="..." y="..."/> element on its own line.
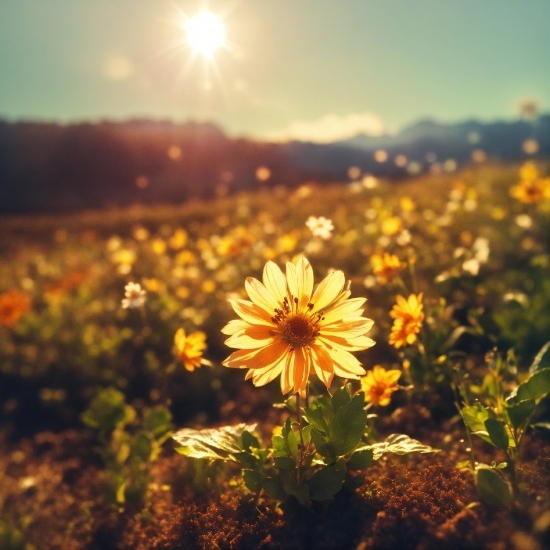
<point x="299" y="330"/>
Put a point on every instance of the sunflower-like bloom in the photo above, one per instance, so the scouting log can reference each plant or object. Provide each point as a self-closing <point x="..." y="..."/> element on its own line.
<point x="379" y="384"/>
<point x="531" y="187"/>
<point x="13" y="305"/>
<point x="408" y="317"/>
<point x="288" y="329"/>
<point x="190" y="349"/>
<point x="387" y="266"/>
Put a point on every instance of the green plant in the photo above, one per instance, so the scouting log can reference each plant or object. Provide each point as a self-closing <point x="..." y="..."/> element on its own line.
<point x="127" y="443"/>
<point x="501" y="415"/>
<point x="310" y="460"/>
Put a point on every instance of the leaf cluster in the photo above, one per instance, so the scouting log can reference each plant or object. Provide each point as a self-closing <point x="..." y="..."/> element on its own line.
<point x="127" y="442"/>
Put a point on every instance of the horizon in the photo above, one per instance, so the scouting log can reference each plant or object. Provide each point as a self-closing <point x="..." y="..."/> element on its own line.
<point x="309" y="71"/>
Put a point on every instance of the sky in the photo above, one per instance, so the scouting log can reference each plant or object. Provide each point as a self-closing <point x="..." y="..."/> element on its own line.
<point x="305" y="69"/>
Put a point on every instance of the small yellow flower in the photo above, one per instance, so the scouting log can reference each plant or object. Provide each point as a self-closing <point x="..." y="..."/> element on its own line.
<point x="531" y="187"/>
<point x="289" y="329"/>
<point x="392" y="226"/>
<point x="379" y="384"/>
<point x="190" y="349"/>
<point x="13" y="305"/>
<point x="387" y="266"/>
<point x="178" y="239"/>
<point x="408" y="317"/>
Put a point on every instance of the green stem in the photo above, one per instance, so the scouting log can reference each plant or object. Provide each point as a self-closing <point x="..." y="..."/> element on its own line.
<point x="299" y="411"/>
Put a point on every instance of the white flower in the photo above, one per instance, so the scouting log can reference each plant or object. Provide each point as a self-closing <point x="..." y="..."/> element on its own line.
<point x="135" y="296"/>
<point x="403" y="238"/>
<point x="471" y="266"/>
<point x="481" y="248"/>
<point x="320" y="227"/>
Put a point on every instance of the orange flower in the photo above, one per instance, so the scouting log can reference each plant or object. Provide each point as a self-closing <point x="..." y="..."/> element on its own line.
<point x="13" y="305"/>
<point x="386" y="267"/>
<point x="190" y="349"/>
<point x="379" y="384"/>
<point x="290" y="330"/>
<point x="408" y="317"/>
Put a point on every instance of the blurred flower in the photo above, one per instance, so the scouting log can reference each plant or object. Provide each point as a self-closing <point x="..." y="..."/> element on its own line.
<point x="531" y="187"/>
<point x="392" y="226"/>
<point x="320" y="227"/>
<point x="13" y="305"/>
<point x="481" y="250"/>
<point x="387" y="266"/>
<point x="67" y="283"/>
<point x="158" y="246"/>
<point x="524" y="221"/>
<point x="178" y="239"/>
<point x="408" y="317"/>
<point x="154" y="285"/>
<point x="471" y="266"/>
<point x="238" y="241"/>
<point x="190" y="349"/>
<point x="135" y="296"/>
<point x="404" y="238"/>
<point x="379" y="384"/>
<point x="290" y="330"/>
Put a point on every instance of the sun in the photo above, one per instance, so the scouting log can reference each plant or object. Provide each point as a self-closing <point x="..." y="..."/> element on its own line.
<point x="205" y="33"/>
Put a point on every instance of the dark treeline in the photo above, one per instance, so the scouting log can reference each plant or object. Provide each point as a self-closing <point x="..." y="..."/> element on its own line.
<point x="52" y="168"/>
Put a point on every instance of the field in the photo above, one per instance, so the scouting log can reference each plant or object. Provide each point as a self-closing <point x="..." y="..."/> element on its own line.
<point x="90" y="391"/>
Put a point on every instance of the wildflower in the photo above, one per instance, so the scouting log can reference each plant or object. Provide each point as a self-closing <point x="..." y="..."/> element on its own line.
<point x="408" y="317"/>
<point x="13" y="305"/>
<point x="379" y="384"/>
<point x="190" y="349"/>
<point x="531" y="187"/>
<point x="290" y="330"/>
<point x="135" y="296"/>
<point x="320" y="227"/>
<point x="392" y="226"/>
<point x="386" y="267"/>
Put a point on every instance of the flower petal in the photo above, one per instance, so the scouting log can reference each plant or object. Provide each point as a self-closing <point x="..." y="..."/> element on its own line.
<point x="275" y="281"/>
<point x="344" y="309"/>
<point x="260" y="295"/>
<point x="251" y="312"/>
<point x="235" y="325"/>
<point x="328" y="290"/>
<point x="304" y="279"/>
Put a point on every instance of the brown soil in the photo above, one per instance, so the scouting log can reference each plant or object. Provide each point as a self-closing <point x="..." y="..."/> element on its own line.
<point x="53" y="490"/>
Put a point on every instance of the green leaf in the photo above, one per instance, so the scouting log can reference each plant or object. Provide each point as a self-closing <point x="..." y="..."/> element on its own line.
<point x="520" y="412"/>
<point x="108" y="410"/>
<point x="323" y="446"/>
<point x="399" y="444"/>
<point x="280" y="447"/>
<point x="348" y="425"/>
<point x="291" y="487"/>
<point x="474" y="417"/>
<point x="492" y="488"/>
<point x="294" y="443"/>
<point x="352" y="482"/>
<point x="248" y="440"/>
<point x="497" y="432"/>
<point x="285" y="463"/>
<point x="273" y="486"/>
<point x="157" y="421"/>
<point x="212" y="444"/>
<point x="535" y="387"/>
<point x="542" y="359"/>
<point x="252" y="480"/>
<point x="340" y="397"/>
<point x="361" y="459"/>
<point x="327" y="481"/>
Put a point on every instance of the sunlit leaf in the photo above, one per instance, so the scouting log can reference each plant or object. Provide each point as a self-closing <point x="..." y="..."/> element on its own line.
<point x="542" y="359"/>
<point x="492" y="488"/>
<point x="399" y="444"/>
<point x="497" y="433"/>
<point x="212" y="444"/>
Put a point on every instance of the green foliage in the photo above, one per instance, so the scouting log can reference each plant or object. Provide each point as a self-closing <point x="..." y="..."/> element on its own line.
<point x="310" y="462"/>
<point x="504" y="419"/>
<point x="127" y="443"/>
<point x="491" y="487"/>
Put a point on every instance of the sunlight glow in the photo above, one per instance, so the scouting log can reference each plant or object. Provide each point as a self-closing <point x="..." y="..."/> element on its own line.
<point x="205" y="33"/>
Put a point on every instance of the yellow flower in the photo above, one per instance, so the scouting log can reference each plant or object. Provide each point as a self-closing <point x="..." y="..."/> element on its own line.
<point x="290" y="330"/>
<point x="190" y="349"/>
<point x="379" y="384"/>
<point x="408" y="317"/>
<point x="392" y="226"/>
<point x="13" y="305"/>
<point x="386" y="267"/>
<point x="531" y="187"/>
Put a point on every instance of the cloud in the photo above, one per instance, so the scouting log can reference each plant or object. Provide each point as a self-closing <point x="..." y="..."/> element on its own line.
<point x="330" y="128"/>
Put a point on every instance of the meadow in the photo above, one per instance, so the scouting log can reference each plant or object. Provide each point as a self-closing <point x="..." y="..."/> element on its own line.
<point x="92" y="388"/>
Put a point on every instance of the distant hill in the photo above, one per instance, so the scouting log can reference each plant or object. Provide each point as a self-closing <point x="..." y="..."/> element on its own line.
<point x="52" y="167"/>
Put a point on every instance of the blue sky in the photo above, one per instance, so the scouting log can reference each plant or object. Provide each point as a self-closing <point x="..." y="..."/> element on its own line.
<point x="292" y="68"/>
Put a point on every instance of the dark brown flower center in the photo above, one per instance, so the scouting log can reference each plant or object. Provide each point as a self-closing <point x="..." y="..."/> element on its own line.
<point x="299" y="330"/>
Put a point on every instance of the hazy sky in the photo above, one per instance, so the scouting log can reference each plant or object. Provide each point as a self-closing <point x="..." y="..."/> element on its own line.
<point x="323" y="68"/>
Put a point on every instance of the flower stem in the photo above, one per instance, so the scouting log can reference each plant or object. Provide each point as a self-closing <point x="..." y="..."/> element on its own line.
<point x="300" y="460"/>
